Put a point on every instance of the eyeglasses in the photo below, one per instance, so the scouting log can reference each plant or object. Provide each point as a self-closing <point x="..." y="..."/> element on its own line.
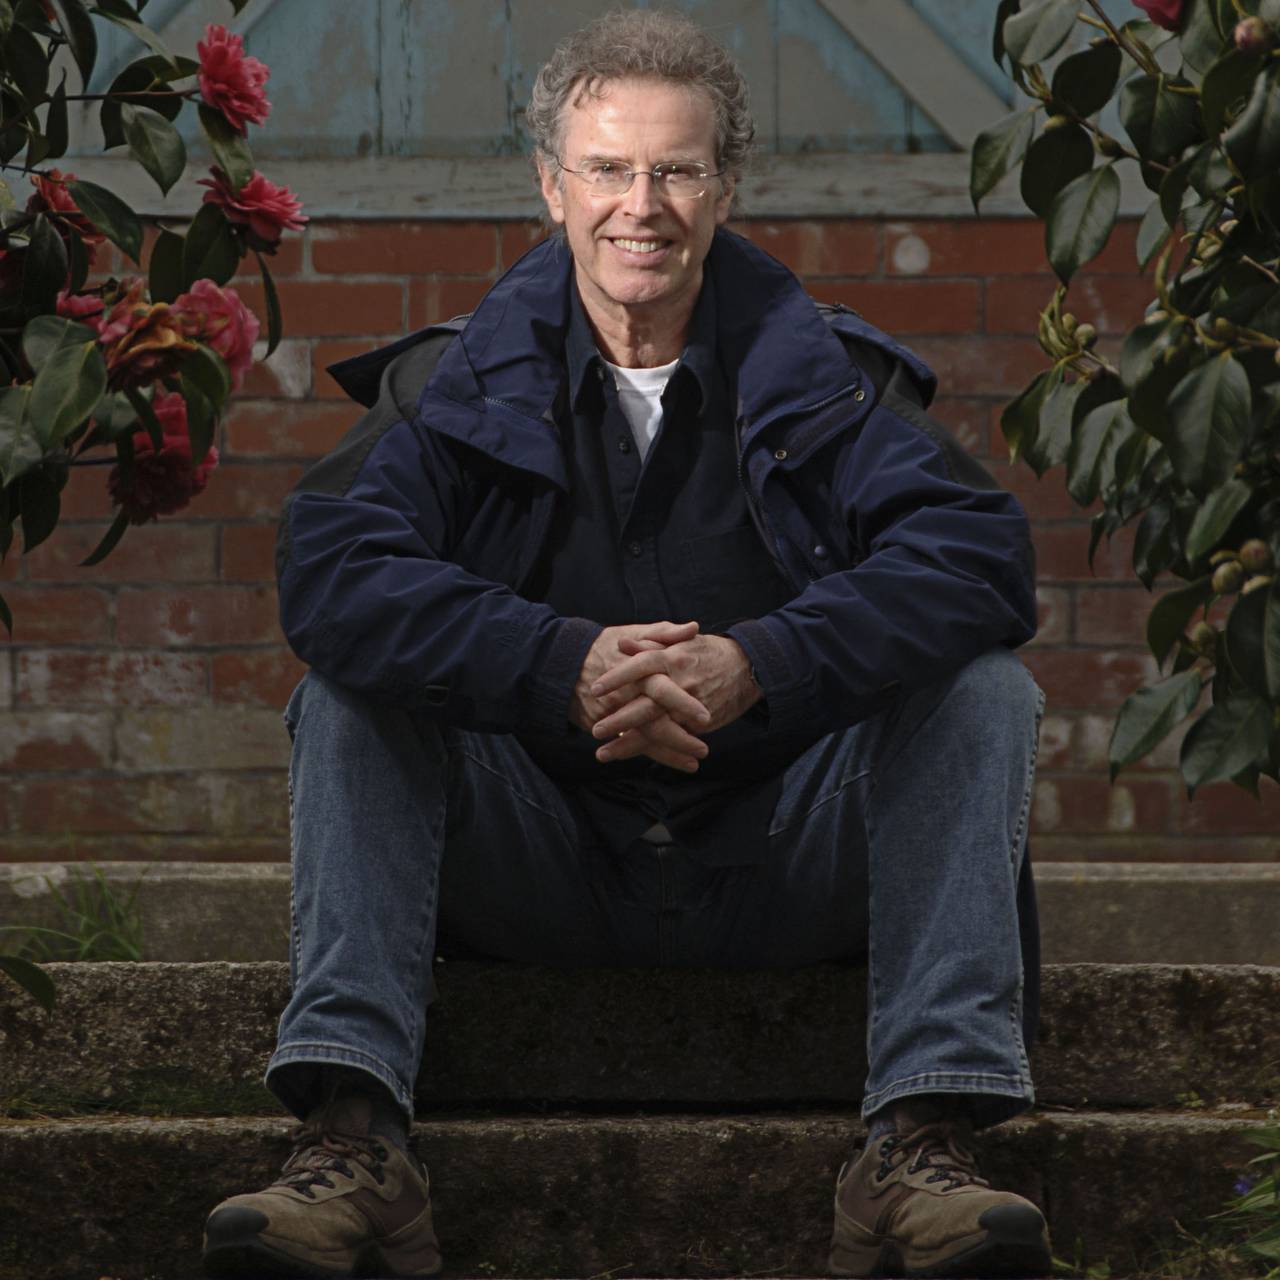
<point x="681" y="180"/>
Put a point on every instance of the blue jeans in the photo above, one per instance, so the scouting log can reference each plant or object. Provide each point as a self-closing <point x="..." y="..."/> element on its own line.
<point x="901" y="840"/>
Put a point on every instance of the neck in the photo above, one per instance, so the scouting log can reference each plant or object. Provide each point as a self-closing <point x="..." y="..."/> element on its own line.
<point x="639" y="337"/>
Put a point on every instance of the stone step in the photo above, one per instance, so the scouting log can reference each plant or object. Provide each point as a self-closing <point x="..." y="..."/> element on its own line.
<point x="194" y="1038"/>
<point x="657" y="1195"/>
<point x="1107" y="913"/>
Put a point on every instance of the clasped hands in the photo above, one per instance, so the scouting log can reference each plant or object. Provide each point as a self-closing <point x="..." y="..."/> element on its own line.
<point x="651" y="689"/>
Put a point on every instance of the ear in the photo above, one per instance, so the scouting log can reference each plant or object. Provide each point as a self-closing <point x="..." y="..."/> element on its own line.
<point x="724" y="202"/>
<point x="550" y="181"/>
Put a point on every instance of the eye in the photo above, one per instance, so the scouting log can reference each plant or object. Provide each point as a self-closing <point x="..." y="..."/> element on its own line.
<point x="683" y="171"/>
<point x="602" y="168"/>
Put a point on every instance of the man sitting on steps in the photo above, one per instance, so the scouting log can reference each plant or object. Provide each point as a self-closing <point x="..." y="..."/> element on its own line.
<point x="651" y="621"/>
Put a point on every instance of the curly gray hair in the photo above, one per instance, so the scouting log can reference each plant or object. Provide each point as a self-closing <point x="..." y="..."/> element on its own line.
<point x="642" y="44"/>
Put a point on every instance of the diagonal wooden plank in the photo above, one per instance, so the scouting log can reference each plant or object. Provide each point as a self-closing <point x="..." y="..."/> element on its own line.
<point x="922" y="64"/>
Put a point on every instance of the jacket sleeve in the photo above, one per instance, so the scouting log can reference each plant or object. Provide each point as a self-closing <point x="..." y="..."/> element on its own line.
<point x="942" y="570"/>
<point x="370" y="597"/>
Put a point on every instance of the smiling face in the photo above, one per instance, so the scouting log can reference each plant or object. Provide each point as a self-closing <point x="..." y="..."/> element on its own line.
<point x="637" y="256"/>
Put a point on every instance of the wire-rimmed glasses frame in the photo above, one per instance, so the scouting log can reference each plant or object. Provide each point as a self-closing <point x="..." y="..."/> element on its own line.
<point x="676" y="179"/>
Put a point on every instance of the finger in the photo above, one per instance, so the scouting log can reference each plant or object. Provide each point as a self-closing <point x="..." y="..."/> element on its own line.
<point x="661" y="734"/>
<point x="632" y="670"/>
<point x="639" y="743"/>
<point x="679" y="703"/>
<point x="670" y="632"/>
<point x="635" y="713"/>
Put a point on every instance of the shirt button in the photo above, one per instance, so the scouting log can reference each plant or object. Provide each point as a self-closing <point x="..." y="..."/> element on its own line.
<point x="821" y="552"/>
<point x="624" y="446"/>
<point x="634" y="548"/>
<point x="780" y="455"/>
<point x="600" y="373"/>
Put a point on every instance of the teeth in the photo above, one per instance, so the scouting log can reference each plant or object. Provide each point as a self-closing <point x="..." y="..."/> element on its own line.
<point x="639" y="246"/>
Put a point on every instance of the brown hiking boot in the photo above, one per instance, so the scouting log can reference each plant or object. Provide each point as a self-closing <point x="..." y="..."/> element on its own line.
<point x="913" y="1204"/>
<point x="345" y="1204"/>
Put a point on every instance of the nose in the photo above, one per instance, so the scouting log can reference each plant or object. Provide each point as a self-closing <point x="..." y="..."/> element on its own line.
<point x="642" y="201"/>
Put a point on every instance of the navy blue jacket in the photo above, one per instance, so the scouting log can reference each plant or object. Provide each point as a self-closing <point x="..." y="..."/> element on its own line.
<point x="403" y="553"/>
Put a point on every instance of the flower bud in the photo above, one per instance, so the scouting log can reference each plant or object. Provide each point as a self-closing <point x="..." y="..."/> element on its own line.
<point x="1221" y="557"/>
<point x="1068" y="323"/>
<point x="1252" y="35"/>
<point x="1255" y="555"/>
<point x="1085" y="335"/>
<point x="1106" y="145"/>
<point x="1156" y="315"/>
<point x="1056" y="122"/>
<point x="1228" y="577"/>
<point x="1204" y="639"/>
<point x="1223" y="328"/>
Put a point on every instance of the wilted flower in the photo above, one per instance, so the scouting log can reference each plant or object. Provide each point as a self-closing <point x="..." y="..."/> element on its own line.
<point x="1164" y="13"/>
<point x="230" y="81"/>
<point x="165" y="481"/>
<point x="263" y="209"/>
<point x="87" y="308"/>
<point x="51" y="196"/>
<point x="1252" y="35"/>
<point x="141" y="340"/>
<point x="218" y="317"/>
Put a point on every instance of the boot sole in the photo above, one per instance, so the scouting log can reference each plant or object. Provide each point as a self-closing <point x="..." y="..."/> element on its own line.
<point x="1012" y="1255"/>
<point x="251" y="1257"/>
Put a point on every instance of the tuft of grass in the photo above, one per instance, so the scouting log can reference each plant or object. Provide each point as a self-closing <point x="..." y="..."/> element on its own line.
<point x="98" y="922"/>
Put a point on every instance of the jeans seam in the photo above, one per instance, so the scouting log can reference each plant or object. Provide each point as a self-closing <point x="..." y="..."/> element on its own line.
<point x="520" y="795"/>
<point x="325" y="1052"/>
<point x="822" y="803"/>
<point x="984" y="1082"/>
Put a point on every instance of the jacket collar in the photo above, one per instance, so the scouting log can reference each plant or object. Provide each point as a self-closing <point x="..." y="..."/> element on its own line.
<point x="497" y="386"/>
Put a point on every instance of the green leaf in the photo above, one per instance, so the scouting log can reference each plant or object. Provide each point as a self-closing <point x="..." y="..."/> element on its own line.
<point x="1170" y="614"/>
<point x="165" y="279"/>
<point x="30" y="977"/>
<point x="275" y="323"/>
<point x="1253" y="641"/>
<point x="1039" y="31"/>
<point x="1159" y="122"/>
<point x="1226" y="88"/>
<point x="1148" y="716"/>
<point x="1253" y="141"/>
<point x="205" y="369"/>
<point x="155" y="144"/>
<point x="1173" y="187"/>
<point x="66" y="390"/>
<point x="202" y="418"/>
<point x="1084" y="82"/>
<point x="55" y="123"/>
<point x="110" y="215"/>
<point x="210" y="248"/>
<point x="1052" y="442"/>
<point x="1208" y="418"/>
<point x="1055" y="158"/>
<point x="1006" y="9"/>
<point x="1092" y="458"/>
<point x="40" y="500"/>
<point x="109" y="540"/>
<point x="1200" y="40"/>
<point x="77" y="26"/>
<point x="1080" y="220"/>
<point x="20" y="450"/>
<point x="27" y="65"/>
<point x="1153" y="550"/>
<point x="150" y="424"/>
<point x="45" y="335"/>
<point x="145" y="74"/>
<point x="1226" y="740"/>
<point x="44" y="268"/>
<point x="1153" y="232"/>
<point x="1020" y="421"/>
<point x="230" y="150"/>
<point x="1214" y="518"/>
<point x="142" y="32"/>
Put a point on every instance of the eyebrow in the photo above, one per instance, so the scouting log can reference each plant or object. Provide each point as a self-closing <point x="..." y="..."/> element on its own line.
<point x="599" y="157"/>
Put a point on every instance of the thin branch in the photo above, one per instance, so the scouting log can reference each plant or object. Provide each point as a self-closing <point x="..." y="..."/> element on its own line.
<point x="1266" y="271"/>
<point x="1141" y="57"/>
<point x="132" y="93"/>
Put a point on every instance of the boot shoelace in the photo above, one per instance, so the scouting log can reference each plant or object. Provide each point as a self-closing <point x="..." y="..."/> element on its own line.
<point x="319" y="1152"/>
<point x="931" y="1146"/>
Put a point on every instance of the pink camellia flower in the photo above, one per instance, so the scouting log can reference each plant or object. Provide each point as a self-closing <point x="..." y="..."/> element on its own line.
<point x="217" y="317"/>
<point x="87" y="308"/>
<point x="51" y="196"/>
<point x="1252" y="35"/>
<point x="263" y="209"/>
<point x="230" y="81"/>
<point x="165" y="481"/>
<point x="1164" y="13"/>
<point x="141" y="341"/>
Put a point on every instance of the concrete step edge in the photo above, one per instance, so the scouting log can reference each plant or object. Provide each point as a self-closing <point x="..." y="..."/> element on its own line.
<point x="580" y="1196"/>
<point x="195" y="1038"/>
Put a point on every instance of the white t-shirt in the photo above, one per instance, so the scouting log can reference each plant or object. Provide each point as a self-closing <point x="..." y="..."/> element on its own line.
<point x="640" y="394"/>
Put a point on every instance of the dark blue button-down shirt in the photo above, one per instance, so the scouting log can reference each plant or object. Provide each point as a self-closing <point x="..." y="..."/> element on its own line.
<point x="667" y="538"/>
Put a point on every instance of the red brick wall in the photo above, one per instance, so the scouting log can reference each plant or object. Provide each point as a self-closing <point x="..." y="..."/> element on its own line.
<point x="142" y="697"/>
